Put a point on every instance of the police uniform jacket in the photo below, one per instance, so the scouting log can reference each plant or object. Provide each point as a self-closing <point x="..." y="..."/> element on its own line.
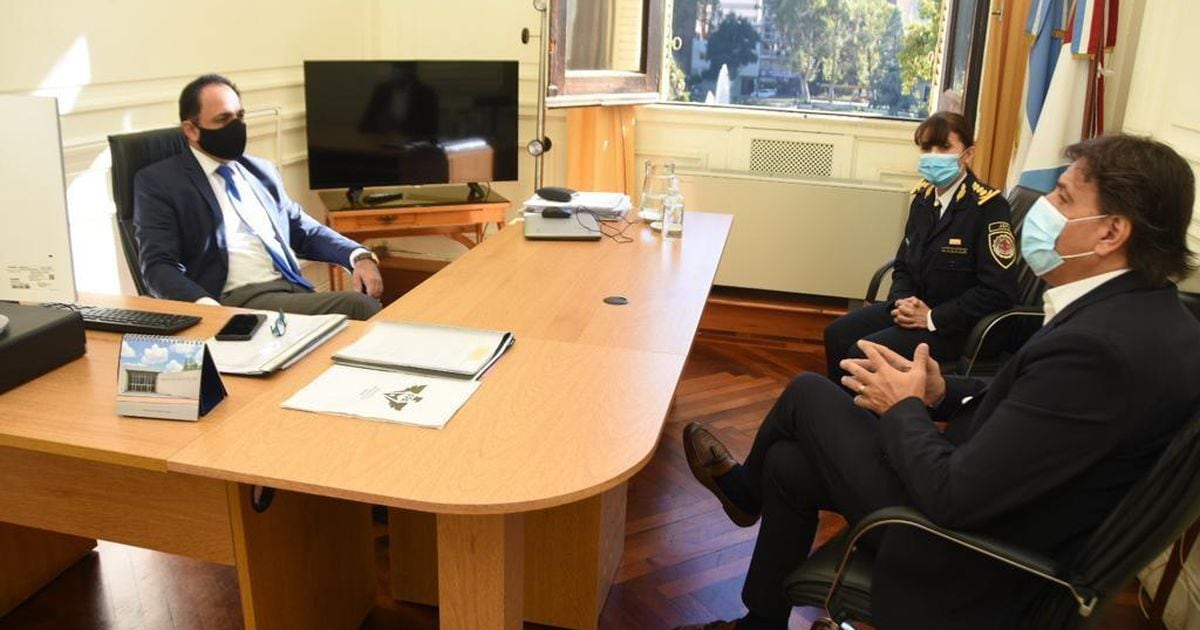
<point x="961" y="263"/>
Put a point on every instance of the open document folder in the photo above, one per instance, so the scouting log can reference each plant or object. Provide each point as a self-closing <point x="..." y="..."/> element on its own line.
<point x="264" y="353"/>
<point x="408" y="373"/>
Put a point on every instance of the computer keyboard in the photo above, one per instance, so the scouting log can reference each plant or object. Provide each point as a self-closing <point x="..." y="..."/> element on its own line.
<point x="130" y="321"/>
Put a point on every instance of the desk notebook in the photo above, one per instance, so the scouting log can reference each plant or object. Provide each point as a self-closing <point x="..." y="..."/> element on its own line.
<point x="265" y="352"/>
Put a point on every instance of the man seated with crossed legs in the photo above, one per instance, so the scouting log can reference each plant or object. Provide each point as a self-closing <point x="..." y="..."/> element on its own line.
<point x="1037" y="458"/>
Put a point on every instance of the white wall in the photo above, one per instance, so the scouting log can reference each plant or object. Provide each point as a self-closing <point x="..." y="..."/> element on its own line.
<point x="1164" y="102"/>
<point x="1164" y="97"/>
<point x="118" y="66"/>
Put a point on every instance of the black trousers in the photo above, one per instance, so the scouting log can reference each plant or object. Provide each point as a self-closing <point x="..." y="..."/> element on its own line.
<point x="874" y="323"/>
<point x="814" y="451"/>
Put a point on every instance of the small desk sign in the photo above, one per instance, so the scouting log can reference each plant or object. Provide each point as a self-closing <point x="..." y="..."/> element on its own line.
<point x="167" y="377"/>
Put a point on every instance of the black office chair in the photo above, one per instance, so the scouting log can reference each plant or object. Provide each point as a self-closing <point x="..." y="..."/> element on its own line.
<point x="997" y="335"/>
<point x="1154" y="512"/>
<point x="131" y="152"/>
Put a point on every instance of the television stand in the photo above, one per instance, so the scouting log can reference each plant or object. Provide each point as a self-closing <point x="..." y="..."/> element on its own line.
<point x="428" y="210"/>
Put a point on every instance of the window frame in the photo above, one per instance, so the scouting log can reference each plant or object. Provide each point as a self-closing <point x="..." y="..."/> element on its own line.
<point x="567" y="88"/>
<point x="974" y="78"/>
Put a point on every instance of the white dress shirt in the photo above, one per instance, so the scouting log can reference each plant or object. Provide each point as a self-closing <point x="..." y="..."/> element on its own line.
<point x="945" y="198"/>
<point x="1058" y="298"/>
<point x="249" y="261"/>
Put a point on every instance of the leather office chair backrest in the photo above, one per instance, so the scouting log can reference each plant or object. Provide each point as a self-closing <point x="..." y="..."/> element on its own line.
<point x="130" y="152"/>
<point x="1155" y="511"/>
<point x="1152" y="515"/>
<point x="1029" y="287"/>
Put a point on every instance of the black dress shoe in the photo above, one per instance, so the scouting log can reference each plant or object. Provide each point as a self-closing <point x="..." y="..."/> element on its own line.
<point x="708" y="458"/>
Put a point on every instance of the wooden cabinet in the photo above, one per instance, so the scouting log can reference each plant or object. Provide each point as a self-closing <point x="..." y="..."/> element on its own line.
<point x="428" y="214"/>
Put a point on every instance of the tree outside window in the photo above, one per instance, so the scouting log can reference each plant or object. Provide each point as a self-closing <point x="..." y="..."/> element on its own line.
<point x="865" y="57"/>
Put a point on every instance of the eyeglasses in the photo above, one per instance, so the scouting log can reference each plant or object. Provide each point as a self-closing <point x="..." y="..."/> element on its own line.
<point x="279" y="327"/>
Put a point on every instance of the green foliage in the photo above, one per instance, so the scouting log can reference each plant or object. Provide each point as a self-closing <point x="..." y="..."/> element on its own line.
<point x="677" y="82"/>
<point x="733" y="44"/>
<point x="887" y="88"/>
<point x="860" y="54"/>
<point x="920" y="44"/>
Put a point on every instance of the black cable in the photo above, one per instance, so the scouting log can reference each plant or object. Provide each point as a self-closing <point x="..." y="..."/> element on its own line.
<point x="618" y="236"/>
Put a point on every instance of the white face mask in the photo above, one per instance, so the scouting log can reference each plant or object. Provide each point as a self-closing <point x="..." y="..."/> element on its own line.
<point x="1039" y="235"/>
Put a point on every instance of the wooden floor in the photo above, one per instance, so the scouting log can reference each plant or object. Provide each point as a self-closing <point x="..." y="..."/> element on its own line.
<point x="684" y="561"/>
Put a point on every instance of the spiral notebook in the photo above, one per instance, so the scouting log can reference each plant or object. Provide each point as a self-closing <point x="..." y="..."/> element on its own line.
<point x="173" y="378"/>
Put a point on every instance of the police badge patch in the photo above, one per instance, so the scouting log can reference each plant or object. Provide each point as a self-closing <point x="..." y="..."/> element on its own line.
<point x="1002" y="244"/>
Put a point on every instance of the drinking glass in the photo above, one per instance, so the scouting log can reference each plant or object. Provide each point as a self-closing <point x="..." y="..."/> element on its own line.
<point x="672" y="218"/>
<point x="655" y="187"/>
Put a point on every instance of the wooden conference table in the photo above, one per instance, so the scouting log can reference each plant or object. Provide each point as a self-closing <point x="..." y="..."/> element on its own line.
<point x="514" y="511"/>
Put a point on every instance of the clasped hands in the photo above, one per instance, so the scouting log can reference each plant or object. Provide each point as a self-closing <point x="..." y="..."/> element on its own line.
<point x="884" y="378"/>
<point x="910" y="312"/>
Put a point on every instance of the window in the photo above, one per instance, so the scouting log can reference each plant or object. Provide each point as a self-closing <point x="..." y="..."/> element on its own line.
<point x="141" y="381"/>
<point x="604" y="51"/>
<point x="863" y="57"/>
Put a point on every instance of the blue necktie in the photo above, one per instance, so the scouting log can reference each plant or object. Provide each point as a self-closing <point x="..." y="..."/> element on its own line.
<point x="287" y="268"/>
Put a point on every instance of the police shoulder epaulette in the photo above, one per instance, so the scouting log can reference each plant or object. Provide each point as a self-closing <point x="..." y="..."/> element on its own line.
<point x="983" y="192"/>
<point x="920" y="187"/>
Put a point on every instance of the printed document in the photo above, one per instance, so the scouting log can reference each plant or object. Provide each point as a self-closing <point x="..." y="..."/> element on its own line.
<point x="401" y="397"/>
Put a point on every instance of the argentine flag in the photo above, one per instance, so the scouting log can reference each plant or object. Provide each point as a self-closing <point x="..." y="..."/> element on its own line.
<point x="1056" y="86"/>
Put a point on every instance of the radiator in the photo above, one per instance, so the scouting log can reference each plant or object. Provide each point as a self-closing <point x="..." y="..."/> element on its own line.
<point x="800" y="235"/>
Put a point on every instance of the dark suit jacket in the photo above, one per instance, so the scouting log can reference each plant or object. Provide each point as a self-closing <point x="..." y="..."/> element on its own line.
<point x="1040" y="458"/>
<point x="180" y="230"/>
<point x="961" y="264"/>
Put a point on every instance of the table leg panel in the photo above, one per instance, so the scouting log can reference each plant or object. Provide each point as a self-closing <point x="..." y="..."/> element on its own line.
<point x="31" y="558"/>
<point x="306" y="562"/>
<point x="480" y="571"/>
<point x="571" y="556"/>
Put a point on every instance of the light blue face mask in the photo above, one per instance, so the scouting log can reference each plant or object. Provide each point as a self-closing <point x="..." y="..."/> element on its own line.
<point x="940" y="169"/>
<point x="1039" y="234"/>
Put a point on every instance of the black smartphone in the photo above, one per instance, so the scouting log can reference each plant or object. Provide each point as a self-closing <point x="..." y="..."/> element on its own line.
<point x="241" y="327"/>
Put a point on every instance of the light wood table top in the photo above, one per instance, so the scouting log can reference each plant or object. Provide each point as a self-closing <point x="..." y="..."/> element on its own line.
<point x="555" y="289"/>
<point x="72" y="410"/>
<point x="574" y="408"/>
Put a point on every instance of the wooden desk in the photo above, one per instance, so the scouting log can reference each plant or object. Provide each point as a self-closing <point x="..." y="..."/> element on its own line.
<point x="527" y="482"/>
<point x="74" y="471"/>
<point x="515" y="510"/>
<point x="428" y="215"/>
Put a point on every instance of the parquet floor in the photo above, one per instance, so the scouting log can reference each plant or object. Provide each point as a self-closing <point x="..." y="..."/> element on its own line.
<point x="684" y="561"/>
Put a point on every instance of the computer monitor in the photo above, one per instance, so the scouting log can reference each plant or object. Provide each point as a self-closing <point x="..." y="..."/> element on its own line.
<point x="35" y="242"/>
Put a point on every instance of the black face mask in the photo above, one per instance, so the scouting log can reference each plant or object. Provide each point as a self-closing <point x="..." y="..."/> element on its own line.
<point x="227" y="143"/>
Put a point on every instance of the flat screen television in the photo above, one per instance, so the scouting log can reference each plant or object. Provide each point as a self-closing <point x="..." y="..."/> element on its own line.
<point x="393" y="123"/>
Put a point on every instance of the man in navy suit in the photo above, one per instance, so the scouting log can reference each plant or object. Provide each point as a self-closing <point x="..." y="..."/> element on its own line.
<point x="1037" y="458"/>
<point x="214" y="225"/>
